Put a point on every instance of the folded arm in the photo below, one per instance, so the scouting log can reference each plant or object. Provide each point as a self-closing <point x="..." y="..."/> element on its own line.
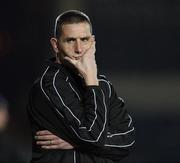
<point x="119" y="135"/>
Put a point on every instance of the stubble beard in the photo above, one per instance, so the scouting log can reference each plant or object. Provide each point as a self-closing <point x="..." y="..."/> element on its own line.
<point x="67" y="64"/>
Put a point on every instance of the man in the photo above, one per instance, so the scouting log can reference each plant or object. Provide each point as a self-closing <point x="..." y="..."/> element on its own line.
<point x="74" y="111"/>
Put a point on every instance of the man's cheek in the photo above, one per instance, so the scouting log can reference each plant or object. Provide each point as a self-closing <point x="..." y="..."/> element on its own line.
<point x="69" y="54"/>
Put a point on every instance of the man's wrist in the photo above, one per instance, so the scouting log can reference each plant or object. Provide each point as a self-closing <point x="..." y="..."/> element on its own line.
<point x="91" y="81"/>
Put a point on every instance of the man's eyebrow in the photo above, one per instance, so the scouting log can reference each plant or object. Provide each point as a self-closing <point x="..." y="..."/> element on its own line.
<point x="74" y="38"/>
<point x="70" y="38"/>
<point x="85" y="37"/>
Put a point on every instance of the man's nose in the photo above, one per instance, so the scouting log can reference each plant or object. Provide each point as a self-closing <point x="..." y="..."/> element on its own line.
<point x="78" y="47"/>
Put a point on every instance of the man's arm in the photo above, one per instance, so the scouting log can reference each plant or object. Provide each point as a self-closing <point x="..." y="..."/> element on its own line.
<point x="120" y="137"/>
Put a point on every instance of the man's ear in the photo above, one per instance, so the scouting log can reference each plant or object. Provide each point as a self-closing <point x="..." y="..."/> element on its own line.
<point x="93" y="37"/>
<point x="54" y="44"/>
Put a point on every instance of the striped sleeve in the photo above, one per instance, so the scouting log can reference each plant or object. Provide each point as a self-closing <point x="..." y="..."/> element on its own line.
<point x="90" y="126"/>
<point x="120" y="138"/>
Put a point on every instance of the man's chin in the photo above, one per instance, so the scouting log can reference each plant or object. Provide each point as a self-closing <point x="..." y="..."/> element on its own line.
<point x="69" y="65"/>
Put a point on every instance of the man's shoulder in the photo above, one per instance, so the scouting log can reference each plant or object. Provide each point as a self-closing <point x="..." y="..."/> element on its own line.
<point x="51" y="73"/>
<point x="50" y="77"/>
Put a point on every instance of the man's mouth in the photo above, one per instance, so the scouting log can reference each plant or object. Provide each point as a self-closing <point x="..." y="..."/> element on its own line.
<point x="76" y="58"/>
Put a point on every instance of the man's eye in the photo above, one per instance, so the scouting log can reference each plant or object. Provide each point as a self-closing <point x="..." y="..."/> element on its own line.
<point x="70" y="40"/>
<point x="85" y="39"/>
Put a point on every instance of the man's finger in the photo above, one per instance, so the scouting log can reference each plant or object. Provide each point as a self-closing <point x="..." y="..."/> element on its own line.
<point x="51" y="142"/>
<point x="43" y="132"/>
<point x="43" y="142"/>
<point x="71" y="61"/>
<point x="45" y="137"/>
<point x="57" y="147"/>
<point x="49" y="147"/>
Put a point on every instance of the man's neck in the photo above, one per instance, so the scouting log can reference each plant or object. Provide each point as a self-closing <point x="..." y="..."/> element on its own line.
<point x="57" y="60"/>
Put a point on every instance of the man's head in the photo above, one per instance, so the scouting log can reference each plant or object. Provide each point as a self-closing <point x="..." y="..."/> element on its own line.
<point x="72" y="35"/>
<point x="70" y="17"/>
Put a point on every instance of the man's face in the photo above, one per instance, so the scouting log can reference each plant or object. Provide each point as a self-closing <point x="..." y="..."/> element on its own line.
<point x="75" y="40"/>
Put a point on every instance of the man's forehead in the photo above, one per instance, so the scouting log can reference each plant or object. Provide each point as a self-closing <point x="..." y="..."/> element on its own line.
<point x="76" y="27"/>
<point x="76" y="30"/>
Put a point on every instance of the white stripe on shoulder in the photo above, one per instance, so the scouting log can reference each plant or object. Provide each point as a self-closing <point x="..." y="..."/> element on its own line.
<point x="41" y="83"/>
<point x="45" y="92"/>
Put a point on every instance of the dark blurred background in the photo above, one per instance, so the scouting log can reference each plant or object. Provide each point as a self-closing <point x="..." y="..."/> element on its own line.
<point x="138" y="46"/>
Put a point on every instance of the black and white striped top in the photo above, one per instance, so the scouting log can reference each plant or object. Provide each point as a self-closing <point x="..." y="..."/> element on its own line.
<point x="93" y="118"/>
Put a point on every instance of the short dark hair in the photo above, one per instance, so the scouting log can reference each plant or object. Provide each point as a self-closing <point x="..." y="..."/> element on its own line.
<point x="70" y="17"/>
